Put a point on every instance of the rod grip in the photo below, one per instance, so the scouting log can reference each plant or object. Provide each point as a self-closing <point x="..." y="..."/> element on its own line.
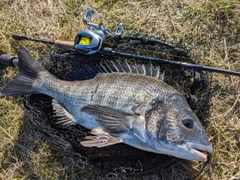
<point x="7" y="59"/>
<point x="19" y="37"/>
<point x="66" y="45"/>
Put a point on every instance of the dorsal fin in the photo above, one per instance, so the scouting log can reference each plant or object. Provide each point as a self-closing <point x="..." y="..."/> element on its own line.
<point x="149" y="69"/>
<point x="126" y="67"/>
<point x="134" y="68"/>
<point x="87" y="71"/>
<point x="83" y="72"/>
<point x="156" y="72"/>
<point x="118" y="66"/>
<point x="141" y="69"/>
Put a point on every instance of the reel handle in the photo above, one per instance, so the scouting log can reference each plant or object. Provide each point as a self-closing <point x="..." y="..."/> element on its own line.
<point x="87" y="16"/>
<point x="7" y="60"/>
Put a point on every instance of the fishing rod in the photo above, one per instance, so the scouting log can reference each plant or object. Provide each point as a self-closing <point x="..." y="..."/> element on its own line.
<point x="110" y="52"/>
<point x="58" y="43"/>
<point x="90" y="42"/>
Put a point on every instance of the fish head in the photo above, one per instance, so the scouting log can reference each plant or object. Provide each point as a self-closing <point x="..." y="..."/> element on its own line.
<point x="175" y="129"/>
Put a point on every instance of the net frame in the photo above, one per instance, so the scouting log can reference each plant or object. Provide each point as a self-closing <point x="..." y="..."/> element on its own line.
<point x="120" y="161"/>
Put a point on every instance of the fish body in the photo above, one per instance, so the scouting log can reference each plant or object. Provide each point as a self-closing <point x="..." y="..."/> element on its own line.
<point x="129" y="107"/>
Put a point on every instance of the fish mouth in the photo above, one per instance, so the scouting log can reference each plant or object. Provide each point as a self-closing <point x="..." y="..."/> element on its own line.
<point x="197" y="149"/>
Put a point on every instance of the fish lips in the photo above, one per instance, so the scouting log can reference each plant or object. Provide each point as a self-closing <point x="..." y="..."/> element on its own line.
<point x="189" y="150"/>
<point x="196" y="148"/>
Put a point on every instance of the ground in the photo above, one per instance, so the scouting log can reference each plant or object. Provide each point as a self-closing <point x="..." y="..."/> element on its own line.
<point x="210" y="28"/>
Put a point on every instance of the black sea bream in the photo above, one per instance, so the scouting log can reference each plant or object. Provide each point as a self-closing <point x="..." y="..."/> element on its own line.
<point x="119" y="107"/>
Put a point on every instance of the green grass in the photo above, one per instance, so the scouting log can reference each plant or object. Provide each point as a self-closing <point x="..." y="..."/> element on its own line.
<point x="210" y="28"/>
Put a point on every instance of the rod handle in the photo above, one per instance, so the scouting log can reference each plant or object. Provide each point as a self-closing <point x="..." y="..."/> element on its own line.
<point x="7" y="60"/>
<point x="64" y="44"/>
<point x="19" y="37"/>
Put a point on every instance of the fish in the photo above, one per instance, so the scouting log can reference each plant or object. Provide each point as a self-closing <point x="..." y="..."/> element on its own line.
<point x="120" y="103"/>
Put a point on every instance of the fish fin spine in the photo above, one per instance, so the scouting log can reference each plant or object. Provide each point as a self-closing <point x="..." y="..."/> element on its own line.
<point x="132" y="67"/>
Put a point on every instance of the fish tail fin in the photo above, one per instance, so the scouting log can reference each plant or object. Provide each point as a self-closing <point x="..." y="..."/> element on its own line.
<point x="29" y="68"/>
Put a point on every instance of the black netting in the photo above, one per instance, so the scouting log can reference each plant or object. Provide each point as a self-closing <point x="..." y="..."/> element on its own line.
<point x="120" y="160"/>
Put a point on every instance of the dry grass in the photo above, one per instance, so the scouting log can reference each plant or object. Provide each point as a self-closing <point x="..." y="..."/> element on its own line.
<point x="211" y="28"/>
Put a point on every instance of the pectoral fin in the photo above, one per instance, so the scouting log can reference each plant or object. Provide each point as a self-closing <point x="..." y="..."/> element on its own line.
<point x="112" y="120"/>
<point x="100" y="139"/>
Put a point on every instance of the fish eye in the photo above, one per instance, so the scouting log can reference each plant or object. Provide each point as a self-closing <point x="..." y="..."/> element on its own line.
<point x="188" y="123"/>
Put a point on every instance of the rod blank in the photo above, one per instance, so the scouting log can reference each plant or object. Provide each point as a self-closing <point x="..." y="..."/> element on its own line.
<point x="108" y="51"/>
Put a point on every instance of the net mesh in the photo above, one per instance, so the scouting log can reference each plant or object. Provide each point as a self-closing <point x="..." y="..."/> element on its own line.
<point x="120" y="161"/>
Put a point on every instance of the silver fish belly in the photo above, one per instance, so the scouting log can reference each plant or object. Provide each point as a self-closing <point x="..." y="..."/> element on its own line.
<point x="133" y="108"/>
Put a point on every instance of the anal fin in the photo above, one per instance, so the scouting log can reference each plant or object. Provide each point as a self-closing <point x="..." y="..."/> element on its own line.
<point x="100" y="139"/>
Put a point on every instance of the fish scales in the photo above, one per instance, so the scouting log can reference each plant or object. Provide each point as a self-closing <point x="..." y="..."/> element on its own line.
<point x="123" y="91"/>
<point x="118" y="107"/>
